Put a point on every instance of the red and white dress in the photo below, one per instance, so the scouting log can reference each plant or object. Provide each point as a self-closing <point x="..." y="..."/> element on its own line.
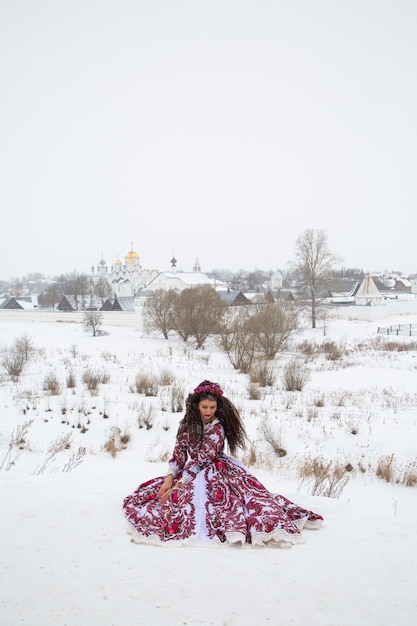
<point x="220" y="501"/>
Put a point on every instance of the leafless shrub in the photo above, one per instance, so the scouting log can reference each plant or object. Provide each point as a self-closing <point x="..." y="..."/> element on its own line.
<point x="146" y="384"/>
<point x="177" y="399"/>
<point x="93" y="320"/>
<point x="16" y="445"/>
<point x="164" y="398"/>
<point x="13" y="360"/>
<point x="146" y="416"/>
<point x="295" y="376"/>
<point x="262" y="373"/>
<point x="117" y="440"/>
<point x="166" y="377"/>
<point x="71" y="380"/>
<point x="63" y="442"/>
<point x="274" y="437"/>
<point x="409" y="478"/>
<point x="386" y="468"/>
<point x="312" y="413"/>
<point x="93" y="380"/>
<point x="24" y="345"/>
<point x="308" y="348"/>
<point x="319" y="402"/>
<point x="333" y="351"/>
<point x="157" y="452"/>
<point x="325" y="478"/>
<point x="383" y="344"/>
<point x="254" y="392"/>
<point x="51" y="384"/>
<point x="74" y="460"/>
<point x="400" y="346"/>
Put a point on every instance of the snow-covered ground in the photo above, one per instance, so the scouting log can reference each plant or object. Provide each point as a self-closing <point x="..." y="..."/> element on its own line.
<point x="66" y="557"/>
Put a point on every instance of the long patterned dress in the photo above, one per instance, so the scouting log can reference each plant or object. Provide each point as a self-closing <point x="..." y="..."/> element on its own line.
<point x="219" y="502"/>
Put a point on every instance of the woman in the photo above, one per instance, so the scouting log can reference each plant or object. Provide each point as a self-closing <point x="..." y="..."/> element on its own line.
<point x="207" y="496"/>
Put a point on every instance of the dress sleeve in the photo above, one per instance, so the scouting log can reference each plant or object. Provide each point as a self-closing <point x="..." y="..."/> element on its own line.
<point x="211" y="447"/>
<point x="180" y="454"/>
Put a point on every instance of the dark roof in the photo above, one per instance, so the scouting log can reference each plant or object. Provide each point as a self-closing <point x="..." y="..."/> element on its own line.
<point x="124" y="303"/>
<point x="233" y="297"/>
<point x="10" y="303"/>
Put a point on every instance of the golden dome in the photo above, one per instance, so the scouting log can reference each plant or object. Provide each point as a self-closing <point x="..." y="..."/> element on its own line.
<point x="131" y="256"/>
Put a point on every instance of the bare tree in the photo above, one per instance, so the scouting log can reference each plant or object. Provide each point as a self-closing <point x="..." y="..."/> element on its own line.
<point x="50" y="297"/>
<point x="24" y="345"/>
<point x="208" y="311"/>
<point x="78" y="286"/>
<point x="236" y="338"/>
<point x="314" y="263"/>
<point x="13" y="360"/>
<point x="158" y="311"/>
<point x="197" y="312"/>
<point x="102" y="289"/>
<point x="92" y="319"/>
<point x="272" y="324"/>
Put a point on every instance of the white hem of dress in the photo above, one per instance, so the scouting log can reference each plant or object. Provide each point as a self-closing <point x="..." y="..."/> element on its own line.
<point x="277" y="539"/>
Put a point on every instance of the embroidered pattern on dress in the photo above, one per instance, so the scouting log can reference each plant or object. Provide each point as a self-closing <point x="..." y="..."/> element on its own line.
<point x="233" y="506"/>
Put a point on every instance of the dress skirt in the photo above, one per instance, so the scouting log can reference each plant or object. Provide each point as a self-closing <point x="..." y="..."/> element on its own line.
<point x="224" y="503"/>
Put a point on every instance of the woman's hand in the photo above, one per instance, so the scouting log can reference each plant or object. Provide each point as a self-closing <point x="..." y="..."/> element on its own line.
<point x="167" y="488"/>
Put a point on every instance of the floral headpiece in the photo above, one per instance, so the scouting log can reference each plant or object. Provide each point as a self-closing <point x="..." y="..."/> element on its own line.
<point x="212" y="388"/>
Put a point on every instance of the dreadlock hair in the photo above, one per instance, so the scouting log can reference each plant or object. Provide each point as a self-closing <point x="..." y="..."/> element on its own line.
<point x="226" y="413"/>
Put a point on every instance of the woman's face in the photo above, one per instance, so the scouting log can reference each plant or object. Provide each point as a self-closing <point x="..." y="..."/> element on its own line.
<point x="207" y="410"/>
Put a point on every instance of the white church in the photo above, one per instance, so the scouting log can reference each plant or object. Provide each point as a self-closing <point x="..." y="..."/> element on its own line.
<point x="130" y="279"/>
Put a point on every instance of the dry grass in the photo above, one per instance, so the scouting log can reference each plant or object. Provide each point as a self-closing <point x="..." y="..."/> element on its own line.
<point x="146" y="416"/>
<point x="71" y="381"/>
<point x="166" y="377"/>
<point x="117" y="440"/>
<point x="262" y="373"/>
<point x="145" y="384"/>
<point x="383" y="344"/>
<point x="295" y="376"/>
<point x="409" y="477"/>
<point x="63" y="442"/>
<point x="93" y="380"/>
<point x="51" y="384"/>
<point x="326" y="478"/>
<point x="273" y="436"/>
<point x="254" y="392"/>
<point x="16" y="445"/>
<point x="177" y="398"/>
<point x="386" y="468"/>
<point x="249" y="457"/>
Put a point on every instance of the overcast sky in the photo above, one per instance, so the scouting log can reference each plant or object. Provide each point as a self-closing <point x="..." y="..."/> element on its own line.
<point x="217" y="129"/>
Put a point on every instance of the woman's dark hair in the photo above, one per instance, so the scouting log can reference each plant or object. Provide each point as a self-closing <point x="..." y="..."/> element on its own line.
<point x="226" y="412"/>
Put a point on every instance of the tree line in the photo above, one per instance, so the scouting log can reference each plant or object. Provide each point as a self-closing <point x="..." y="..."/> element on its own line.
<point x="312" y="268"/>
<point x="245" y="332"/>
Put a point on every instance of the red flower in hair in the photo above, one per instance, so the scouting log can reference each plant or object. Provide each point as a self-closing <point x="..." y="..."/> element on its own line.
<point x="211" y="388"/>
